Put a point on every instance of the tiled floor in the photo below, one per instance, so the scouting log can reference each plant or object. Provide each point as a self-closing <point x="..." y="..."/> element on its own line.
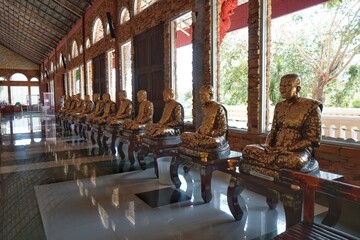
<point x="56" y="186"/>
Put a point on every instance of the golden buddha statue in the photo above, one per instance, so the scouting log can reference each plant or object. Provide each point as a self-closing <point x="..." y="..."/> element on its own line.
<point x="171" y="118"/>
<point x="63" y="106"/>
<point x="145" y="115"/>
<point x="78" y="105"/>
<point x="211" y="135"/>
<point x="109" y="109"/>
<point x="88" y="106"/>
<point x="295" y="131"/>
<point x="125" y="110"/>
<point x="99" y="108"/>
<point x="66" y="105"/>
<point x="72" y="104"/>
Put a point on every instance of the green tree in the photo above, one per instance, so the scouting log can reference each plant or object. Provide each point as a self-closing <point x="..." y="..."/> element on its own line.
<point x="234" y="69"/>
<point x="326" y="42"/>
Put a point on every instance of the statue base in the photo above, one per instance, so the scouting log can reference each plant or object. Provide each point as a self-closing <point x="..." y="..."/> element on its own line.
<point x="131" y="133"/>
<point x="213" y="153"/>
<point x="161" y="141"/>
<point x="311" y="168"/>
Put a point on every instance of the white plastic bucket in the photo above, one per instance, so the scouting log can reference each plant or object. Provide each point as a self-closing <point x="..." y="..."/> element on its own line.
<point x="164" y="170"/>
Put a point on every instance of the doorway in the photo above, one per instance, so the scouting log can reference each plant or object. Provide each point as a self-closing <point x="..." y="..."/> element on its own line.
<point x="149" y="67"/>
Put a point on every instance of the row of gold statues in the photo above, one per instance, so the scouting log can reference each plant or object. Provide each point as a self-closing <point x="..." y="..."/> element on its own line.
<point x="295" y="131"/>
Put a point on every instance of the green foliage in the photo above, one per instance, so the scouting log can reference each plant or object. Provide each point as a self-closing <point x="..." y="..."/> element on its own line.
<point x="338" y="92"/>
<point x="317" y="44"/>
<point x="233" y="70"/>
<point x="356" y="104"/>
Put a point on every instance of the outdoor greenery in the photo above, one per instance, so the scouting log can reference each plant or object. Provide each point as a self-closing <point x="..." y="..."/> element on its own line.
<point x="321" y="43"/>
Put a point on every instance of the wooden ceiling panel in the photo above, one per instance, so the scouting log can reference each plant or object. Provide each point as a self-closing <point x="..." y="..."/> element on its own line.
<point x="33" y="28"/>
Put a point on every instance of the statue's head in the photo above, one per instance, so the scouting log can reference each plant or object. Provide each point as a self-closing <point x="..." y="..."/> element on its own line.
<point x="96" y="96"/>
<point x="87" y="97"/>
<point x="290" y="85"/>
<point x="106" y="97"/>
<point x="122" y="95"/>
<point x="78" y="96"/>
<point x="141" y="96"/>
<point x="168" y="94"/>
<point x="206" y="94"/>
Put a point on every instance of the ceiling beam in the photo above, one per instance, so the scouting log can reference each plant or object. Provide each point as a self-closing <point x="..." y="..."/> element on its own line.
<point x="38" y="34"/>
<point x="39" y="21"/>
<point x="30" y="41"/>
<point x="77" y="12"/>
<point x="16" y="45"/>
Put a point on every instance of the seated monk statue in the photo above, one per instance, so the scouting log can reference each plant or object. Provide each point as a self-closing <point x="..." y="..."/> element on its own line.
<point x="62" y="104"/>
<point x="88" y="106"/>
<point x="98" y="111"/>
<point x="171" y="117"/>
<point x="72" y="105"/>
<point x="79" y="105"/>
<point x="109" y="109"/>
<point x="125" y="110"/>
<point x="211" y="135"/>
<point x="66" y="105"/>
<point x="145" y="115"/>
<point x="295" y="131"/>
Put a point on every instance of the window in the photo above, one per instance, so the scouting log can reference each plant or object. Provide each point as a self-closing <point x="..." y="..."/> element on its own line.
<point x="107" y="29"/>
<point x="126" y="70"/>
<point x="98" y="31"/>
<point x="70" y="85"/>
<point x="60" y="60"/>
<point x="87" y="43"/>
<point x="111" y="75"/>
<point x="181" y="62"/>
<point x="82" y="82"/>
<point x="18" y="77"/>
<point x="124" y="16"/>
<point x="89" y="76"/>
<point x="233" y="57"/>
<point x="76" y="80"/>
<point x="4" y="95"/>
<point x="74" y="50"/>
<point x="140" y="5"/>
<point x="319" y="43"/>
<point x="18" y="94"/>
<point x="34" y="95"/>
<point x="34" y="79"/>
<point x="2" y="79"/>
<point x="66" y="84"/>
<point x="80" y="49"/>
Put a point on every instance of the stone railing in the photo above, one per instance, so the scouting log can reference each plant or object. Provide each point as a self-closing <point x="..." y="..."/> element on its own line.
<point x="339" y="124"/>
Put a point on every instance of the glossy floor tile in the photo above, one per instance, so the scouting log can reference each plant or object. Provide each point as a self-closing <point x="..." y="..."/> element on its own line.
<point x="55" y="185"/>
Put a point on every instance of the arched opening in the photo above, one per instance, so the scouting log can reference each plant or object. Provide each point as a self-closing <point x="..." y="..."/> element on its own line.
<point x="98" y="31"/>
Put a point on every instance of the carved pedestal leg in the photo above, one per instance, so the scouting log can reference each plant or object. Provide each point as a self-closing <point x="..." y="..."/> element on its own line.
<point x="233" y="194"/>
<point x="272" y="202"/>
<point x="334" y="212"/>
<point x="141" y="153"/>
<point x="293" y="208"/>
<point x="131" y="149"/>
<point x="120" y="150"/>
<point x="104" y="141"/>
<point x="206" y="174"/>
<point x="92" y="137"/>
<point x="113" y="139"/>
<point x="174" y="166"/>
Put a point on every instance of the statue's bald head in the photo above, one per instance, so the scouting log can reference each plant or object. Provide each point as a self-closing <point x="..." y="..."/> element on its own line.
<point x="141" y="95"/>
<point x="168" y="94"/>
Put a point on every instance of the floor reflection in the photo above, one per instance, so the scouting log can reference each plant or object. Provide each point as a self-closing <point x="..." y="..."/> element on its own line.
<point x="55" y="185"/>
